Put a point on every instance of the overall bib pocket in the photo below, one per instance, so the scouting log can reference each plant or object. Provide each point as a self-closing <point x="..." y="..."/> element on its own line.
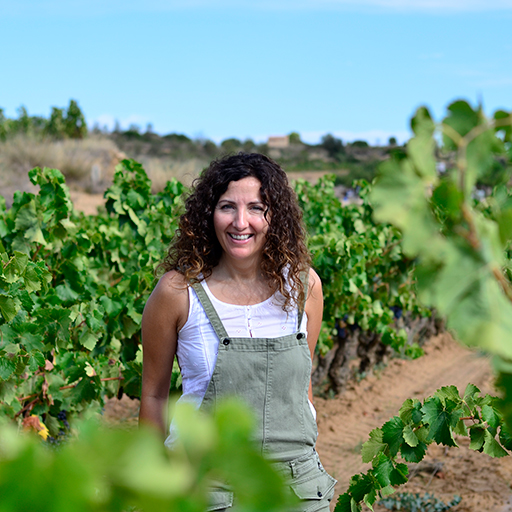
<point x="317" y="488"/>
<point x="219" y="498"/>
<point x="313" y="486"/>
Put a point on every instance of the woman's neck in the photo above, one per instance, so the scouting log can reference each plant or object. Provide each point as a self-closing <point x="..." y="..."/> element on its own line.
<point x="238" y="271"/>
<point x="237" y="283"/>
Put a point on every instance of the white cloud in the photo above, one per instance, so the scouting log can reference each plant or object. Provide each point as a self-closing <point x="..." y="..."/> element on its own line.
<point x="67" y="8"/>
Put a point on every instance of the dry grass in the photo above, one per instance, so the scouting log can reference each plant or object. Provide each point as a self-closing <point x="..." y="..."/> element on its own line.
<point x="161" y="170"/>
<point x="87" y="164"/>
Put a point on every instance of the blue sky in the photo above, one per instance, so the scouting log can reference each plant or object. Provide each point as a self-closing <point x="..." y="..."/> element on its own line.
<point x="234" y="68"/>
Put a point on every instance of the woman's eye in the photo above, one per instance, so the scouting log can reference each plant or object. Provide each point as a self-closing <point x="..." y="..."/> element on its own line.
<point x="226" y="207"/>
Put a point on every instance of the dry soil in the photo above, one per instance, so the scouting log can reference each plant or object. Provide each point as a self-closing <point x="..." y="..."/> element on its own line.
<point x="344" y="423"/>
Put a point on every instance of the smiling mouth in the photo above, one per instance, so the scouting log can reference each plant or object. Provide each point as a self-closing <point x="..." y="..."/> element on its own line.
<point x="240" y="237"/>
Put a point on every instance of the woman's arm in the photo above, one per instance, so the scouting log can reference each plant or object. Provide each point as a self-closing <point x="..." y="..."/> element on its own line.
<point x="164" y="315"/>
<point x="314" y="311"/>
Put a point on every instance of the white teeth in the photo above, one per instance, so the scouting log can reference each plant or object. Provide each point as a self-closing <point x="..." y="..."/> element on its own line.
<point x="239" y="237"/>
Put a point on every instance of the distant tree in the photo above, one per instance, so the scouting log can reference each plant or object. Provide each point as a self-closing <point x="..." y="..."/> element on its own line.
<point x="333" y="146"/>
<point x="177" y="137"/>
<point x="248" y="146"/>
<point x="3" y="125"/>
<point x="392" y="141"/>
<point x="149" y="128"/>
<point x="133" y="132"/>
<point x="38" y="124"/>
<point x="117" y="127"/>
<point x="56" y="126"/>
<point x="96" y="129"/>
<point x="75" y="126"/>
<point x="294" y="138"/>
<point x="231" y="145"/>
<point x="360" y="144"/>
<point x="23" y="123"/>
<point x="210" y="148"/>
<point x="134" y="128"/>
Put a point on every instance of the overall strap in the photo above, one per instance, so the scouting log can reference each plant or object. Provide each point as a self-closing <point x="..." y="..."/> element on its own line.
<point x="210" y="311"/>
<point x="304" y="277"/>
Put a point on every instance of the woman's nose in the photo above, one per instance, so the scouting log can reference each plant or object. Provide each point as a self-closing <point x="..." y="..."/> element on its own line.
<point x="240" y="220"/>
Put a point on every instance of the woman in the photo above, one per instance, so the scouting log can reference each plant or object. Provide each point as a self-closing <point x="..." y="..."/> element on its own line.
<point x="242" y="311"/>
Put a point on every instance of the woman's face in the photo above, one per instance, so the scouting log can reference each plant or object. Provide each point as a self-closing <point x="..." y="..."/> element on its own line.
<point x="239" y="220"/>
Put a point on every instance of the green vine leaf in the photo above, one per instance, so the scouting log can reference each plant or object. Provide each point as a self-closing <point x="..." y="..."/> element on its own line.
<point x="9" y="306"/>
<point x="492" y="447"/>
<point x="490" y="416"/>
<point x="392" y="434"/>
<point x="7" y="366"/>
<point x="399" y="474"/>
<point x="382" y="469"/>
<point x="373" y="446"/>
<point x="413" y="454"/>
<point x="441" y="420"/>
<point x="410" y="412"/>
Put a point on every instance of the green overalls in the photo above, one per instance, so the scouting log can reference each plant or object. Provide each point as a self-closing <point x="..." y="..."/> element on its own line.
<point x="272" y="375"/>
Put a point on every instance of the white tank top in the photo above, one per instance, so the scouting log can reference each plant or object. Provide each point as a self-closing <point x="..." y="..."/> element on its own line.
<point x="198" y="344"/>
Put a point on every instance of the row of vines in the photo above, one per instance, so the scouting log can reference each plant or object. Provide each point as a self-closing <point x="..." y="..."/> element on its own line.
<point x="419" y="247"/>
<point x="73" y="288"/>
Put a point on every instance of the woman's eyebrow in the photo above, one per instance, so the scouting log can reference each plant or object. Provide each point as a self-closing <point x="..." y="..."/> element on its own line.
<point x="231" y="201"/>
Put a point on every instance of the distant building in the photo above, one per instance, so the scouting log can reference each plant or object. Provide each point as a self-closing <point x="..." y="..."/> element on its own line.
<point x="278" y="141"/>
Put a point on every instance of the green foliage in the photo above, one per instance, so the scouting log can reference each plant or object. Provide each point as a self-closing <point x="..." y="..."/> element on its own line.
<point x="72" y="291"/>
<point x="56" y="127"/>
<point x="73" y="287"/>
<point x="417" y="503"/>
<point x="406" y="436"/>
<point x="363" y="269"/>
<point x="231" y="145"/>
<point x="61" y="124"/>
<point x="360" y="144"/>
<point x="462" y="246"/>
<point x="462" y="249"/>
<point x="111" y="470"/>
<point x="3" y="125"/>
<point x="75" y="126"/>
<point x="333" y="146"/>
<point x="294" y="138"/>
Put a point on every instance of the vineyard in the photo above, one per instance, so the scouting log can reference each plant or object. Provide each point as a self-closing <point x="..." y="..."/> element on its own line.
<point x="422" y="251"/>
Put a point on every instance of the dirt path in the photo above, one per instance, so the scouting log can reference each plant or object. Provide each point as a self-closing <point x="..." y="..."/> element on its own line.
<point x="86" y="203"/>
<point x="344" y="424"/>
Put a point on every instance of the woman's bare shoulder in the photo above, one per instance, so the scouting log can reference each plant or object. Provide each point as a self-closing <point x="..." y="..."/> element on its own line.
<point x="172" y="284"/>
<point x="314" y="281"/>
<point x="169" y="299"/>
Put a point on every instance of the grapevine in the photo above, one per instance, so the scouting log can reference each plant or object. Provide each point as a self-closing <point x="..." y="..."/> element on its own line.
<point x="73" y="287"/>
<point x="439" y="419"/>
<point x="72" y="290"/>
<point x="367" y="281"/>
<point x="462" y="248"/>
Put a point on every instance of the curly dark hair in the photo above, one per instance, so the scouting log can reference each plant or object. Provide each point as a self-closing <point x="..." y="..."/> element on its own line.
<point x="195" y="250"/>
